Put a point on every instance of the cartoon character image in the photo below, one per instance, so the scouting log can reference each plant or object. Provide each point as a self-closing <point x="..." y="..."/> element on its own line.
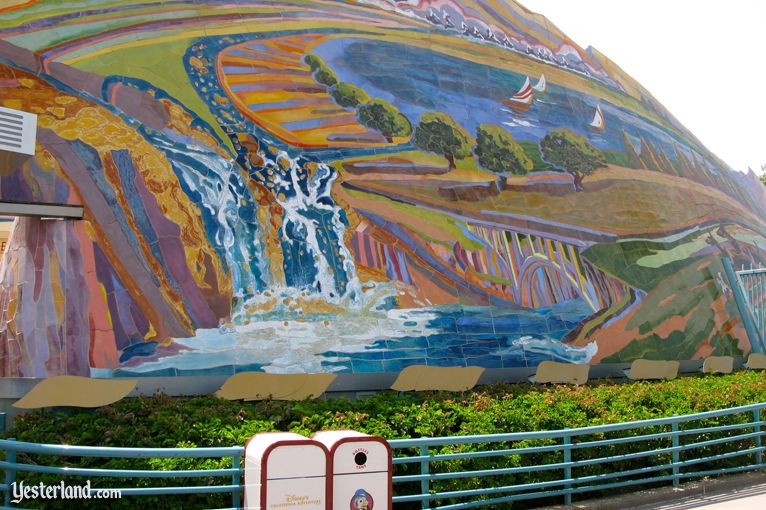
<point x="362" y="500"/>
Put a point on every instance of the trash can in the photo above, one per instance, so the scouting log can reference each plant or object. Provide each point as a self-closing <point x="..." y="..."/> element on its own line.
<point x="285" y="471"/>
<point x="360" y="466"/>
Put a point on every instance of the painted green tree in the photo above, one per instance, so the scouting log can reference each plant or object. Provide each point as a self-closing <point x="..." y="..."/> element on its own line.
<point x="322" y="72"/>
<point x="498" y="152"/>
<point x="437" y="132"/>
<point x="383" y="117"/>
<point x="313" y="61"/>
<point x="349" y="95"/>
<point x="571" y="152"/>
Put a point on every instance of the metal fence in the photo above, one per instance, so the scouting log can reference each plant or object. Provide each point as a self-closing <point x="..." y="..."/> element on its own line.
<point x="231" y="481"/>
<point x="585" y="460"/>
<point x="474" y="471"/>
<point x="753" y="286"/>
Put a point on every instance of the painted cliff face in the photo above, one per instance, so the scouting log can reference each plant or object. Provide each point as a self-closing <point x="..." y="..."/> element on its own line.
<point x="352" y="187"/>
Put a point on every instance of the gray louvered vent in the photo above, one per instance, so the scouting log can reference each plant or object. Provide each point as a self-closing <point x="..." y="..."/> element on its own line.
<point x="18" y="131"/>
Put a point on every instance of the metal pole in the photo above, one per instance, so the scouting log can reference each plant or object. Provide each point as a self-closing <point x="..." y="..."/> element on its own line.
<point x="761" y="304"/>
<point x="10" y="475"/>
<point x="758" y="442"/>
<point x="567" y="469"/>
<point x="753" y="335"/>
<point x="676" y="453"/>
<point x="425" y="485"/>
<point x="236" y="495"/>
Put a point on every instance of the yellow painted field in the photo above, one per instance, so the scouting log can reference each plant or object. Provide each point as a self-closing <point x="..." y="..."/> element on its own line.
<point x="269" y="82"/>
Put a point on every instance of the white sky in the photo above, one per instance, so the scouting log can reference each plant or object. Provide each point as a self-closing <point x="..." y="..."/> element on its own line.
<point x="705" y="60"/>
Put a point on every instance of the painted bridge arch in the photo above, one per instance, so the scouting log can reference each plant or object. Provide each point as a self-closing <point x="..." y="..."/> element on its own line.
<point x="542" y="270"/>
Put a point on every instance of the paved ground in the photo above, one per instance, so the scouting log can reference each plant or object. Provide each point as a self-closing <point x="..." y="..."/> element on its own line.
<point x="750" y="498"/>
<point x="739" y="492"/>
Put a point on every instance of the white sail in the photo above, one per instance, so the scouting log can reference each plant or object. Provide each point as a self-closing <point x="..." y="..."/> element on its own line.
<point x="522" y="99"/>
<point x="541" y="84"/>
<point x="525" y="93"/>
<point x="598" y="120"/>
<point x="523" y="89"/>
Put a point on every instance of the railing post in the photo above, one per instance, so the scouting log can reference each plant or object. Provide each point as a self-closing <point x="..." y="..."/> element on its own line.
<point x="756" y="342"/>
<point x="676" y="453"/>
<point x="567" y="469"/>
<point x="425" y="484"/>
<point x="236" y="479"/>
<point x="10" y="475"/>
<point x="757" y="430"/>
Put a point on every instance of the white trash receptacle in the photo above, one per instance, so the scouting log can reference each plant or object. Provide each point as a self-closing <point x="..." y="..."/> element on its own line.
<point x="360" y="466"/>
<point x="285" y="471"/>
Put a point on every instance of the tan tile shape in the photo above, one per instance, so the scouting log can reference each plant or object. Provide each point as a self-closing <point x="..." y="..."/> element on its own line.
<point x="756" y="362"/>
<point x="425" y="378"/>
<point x="561" y="373"/>
<point x="75" y="391"/>
<point x="262" y="386"/>
<point x="718" y="365"/>
<point x="642" y="369"/>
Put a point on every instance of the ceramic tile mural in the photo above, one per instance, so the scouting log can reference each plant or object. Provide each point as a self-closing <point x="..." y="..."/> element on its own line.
<point x="352" y="186"/>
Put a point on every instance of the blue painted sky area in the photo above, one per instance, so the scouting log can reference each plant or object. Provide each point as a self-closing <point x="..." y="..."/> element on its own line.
<point x="417" y="80"/>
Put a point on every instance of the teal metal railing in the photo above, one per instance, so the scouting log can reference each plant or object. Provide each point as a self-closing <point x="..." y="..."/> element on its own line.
<point x="231" y="478"/>
<point x="753" y="285"/>
<point x="749" y="289"/>
<point x="483" y="470"/>
<point x="584" y="460"/>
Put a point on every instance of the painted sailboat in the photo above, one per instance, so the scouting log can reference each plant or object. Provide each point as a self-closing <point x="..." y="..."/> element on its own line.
<point x="541" y="86"/>
<point x="597" y="125"/>
<point x="522" y="99"/>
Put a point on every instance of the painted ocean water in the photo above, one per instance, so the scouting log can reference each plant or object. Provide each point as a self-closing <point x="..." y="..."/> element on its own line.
<point x="377" y="339"/>
<point x="471" y="93"/>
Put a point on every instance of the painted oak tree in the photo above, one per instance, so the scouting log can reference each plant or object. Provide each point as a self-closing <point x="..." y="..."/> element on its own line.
<point x="571" y="152"/>
<point x="499" y="152"/>
<point x="349" y="95"/>
<point x="383" y="117"/>
<point x="322" y="73"/>
<point x="438" y="133"/>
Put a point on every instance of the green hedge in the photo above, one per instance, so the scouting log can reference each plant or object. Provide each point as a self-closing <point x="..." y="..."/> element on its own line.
<point x="162" y="421"/>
